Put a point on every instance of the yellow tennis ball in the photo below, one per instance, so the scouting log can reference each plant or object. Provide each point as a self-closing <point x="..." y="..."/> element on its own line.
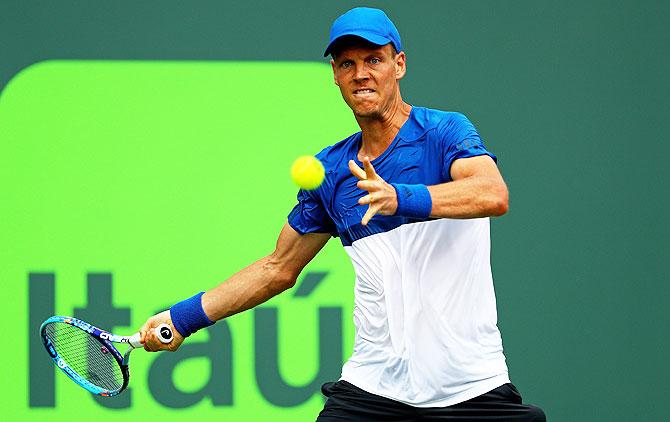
<point x="307" y="172"/>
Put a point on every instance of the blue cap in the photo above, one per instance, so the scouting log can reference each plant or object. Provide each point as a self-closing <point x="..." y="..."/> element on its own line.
<point x="370" y="24"/>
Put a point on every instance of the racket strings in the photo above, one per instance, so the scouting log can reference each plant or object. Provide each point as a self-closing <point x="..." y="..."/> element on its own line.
<point x="86" y="356"/>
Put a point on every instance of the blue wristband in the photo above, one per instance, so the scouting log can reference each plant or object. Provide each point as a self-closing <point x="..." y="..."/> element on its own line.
<point x="188" y="316"/>
<point x="414" y="201"/>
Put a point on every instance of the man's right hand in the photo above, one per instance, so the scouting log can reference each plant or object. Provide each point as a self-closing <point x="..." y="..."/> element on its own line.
<point x="150" y="340"/>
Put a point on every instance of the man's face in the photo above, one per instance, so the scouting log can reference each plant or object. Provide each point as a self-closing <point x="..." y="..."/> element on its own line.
<point x="368" y="78"/>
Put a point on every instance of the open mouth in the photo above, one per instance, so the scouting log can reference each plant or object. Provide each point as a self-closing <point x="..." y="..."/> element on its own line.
<point x="364" y="91"/>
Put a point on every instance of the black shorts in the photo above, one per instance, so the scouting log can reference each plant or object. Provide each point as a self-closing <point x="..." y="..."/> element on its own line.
<point x="346" y="402"/>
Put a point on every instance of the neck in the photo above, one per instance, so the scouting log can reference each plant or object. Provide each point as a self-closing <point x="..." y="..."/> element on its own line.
<point x="378" y="133"/>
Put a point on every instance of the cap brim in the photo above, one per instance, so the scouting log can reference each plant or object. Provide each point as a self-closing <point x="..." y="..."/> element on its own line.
<point x="368" y="36"/>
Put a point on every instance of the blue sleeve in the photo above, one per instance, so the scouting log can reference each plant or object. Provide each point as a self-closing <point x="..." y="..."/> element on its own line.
<point x="310" y="216"/>
<point x="459" y="140"/>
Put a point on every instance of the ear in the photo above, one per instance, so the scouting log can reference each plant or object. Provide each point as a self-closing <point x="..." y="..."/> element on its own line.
<point x="332" y="64"/>
<point x="400" y="65"/>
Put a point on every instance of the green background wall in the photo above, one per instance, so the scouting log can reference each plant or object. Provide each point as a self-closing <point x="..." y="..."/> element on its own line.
<point x="572" y="97"/>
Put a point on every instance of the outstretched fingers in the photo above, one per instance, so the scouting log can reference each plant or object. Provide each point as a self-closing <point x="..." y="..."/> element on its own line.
<point x="365" y="200"/>
<point x="356" y="171"/>
<point x="370" y="173"/>
<point x="369" y="181"/>
<point x="372" y="210"/>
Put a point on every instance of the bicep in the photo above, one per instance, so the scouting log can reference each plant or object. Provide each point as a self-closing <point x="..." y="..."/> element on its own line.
<point x="478" y="166"/>
<point x="294" y="250"/>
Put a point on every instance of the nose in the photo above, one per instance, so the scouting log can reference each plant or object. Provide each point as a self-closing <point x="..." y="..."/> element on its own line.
<point x="361" y="73"/>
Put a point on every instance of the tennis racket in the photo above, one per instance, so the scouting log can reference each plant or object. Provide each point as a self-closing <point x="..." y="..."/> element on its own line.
<point x="88" y="356"/>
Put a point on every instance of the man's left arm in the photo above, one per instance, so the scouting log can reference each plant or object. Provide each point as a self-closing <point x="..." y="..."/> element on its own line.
<point x="477" y="190"/>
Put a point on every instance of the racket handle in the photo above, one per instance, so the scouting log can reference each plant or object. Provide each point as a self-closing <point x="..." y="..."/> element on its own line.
<point x="163" y="332"/>
<point x="134" y="341"/>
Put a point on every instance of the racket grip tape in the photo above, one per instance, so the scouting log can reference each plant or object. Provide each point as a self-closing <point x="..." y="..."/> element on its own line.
<point x="163" y="332"/>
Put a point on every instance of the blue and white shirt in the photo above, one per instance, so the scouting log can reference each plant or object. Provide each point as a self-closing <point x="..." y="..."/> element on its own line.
<point x="425" y="309"/>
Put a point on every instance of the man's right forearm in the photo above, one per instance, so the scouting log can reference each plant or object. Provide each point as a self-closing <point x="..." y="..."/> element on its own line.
<point x="252" y="286"/>
<point x="247" y="288"/>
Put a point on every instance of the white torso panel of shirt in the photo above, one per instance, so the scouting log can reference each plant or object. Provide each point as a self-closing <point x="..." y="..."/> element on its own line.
<point x="425" y="314"/>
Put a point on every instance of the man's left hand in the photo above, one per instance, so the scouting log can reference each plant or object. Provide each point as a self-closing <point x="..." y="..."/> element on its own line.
<point x="381" y="198"/>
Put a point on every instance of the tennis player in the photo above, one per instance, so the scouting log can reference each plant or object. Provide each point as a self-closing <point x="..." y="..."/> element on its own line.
<point x="410" y="197"/>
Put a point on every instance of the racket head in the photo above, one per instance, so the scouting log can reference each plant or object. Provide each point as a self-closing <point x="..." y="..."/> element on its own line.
<point x="86" y="354"/>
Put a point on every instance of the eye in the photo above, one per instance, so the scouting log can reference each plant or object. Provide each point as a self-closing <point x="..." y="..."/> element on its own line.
<point x="375" y="60"/>
<point x="346" y="64"/>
